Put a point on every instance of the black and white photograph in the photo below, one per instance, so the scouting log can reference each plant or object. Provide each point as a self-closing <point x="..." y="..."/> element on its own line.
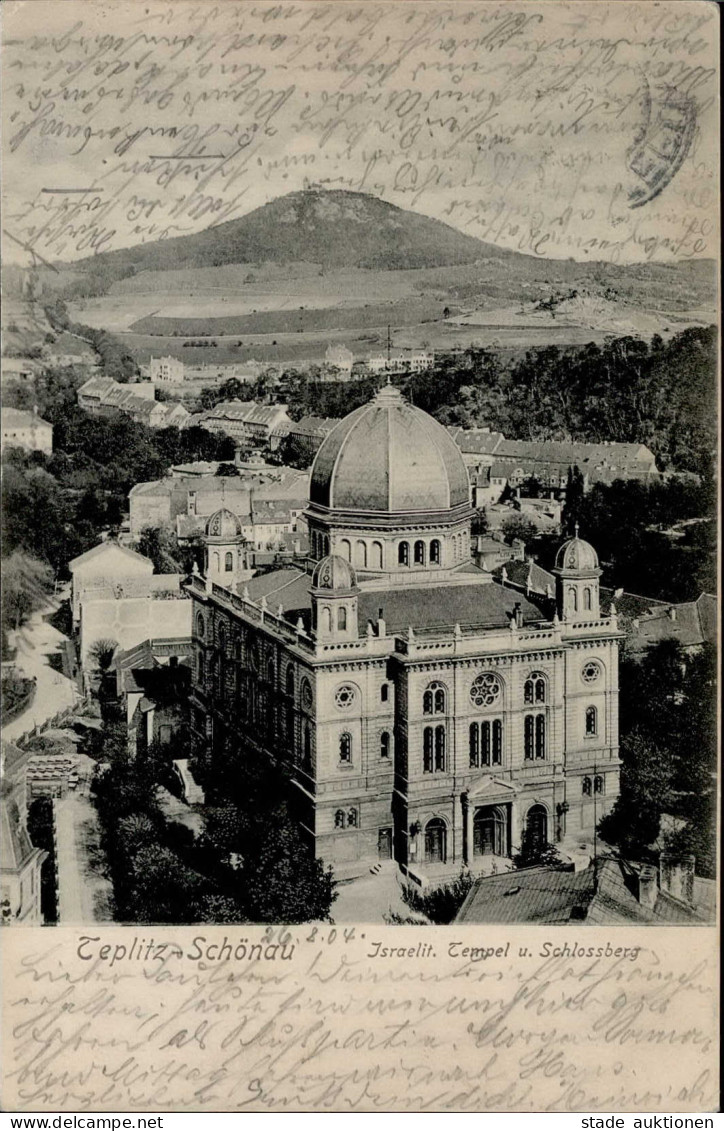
<point x="360" y="474"/>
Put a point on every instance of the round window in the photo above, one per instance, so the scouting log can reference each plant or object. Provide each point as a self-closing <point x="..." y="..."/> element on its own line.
<point x="486" y="690"/>
<point x="306" y="694"/>
<point x="591" y="672"/>
<point x="345" y="696"/>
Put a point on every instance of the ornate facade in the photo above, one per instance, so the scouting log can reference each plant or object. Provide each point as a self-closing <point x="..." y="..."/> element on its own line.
<point x="417" y="709"/>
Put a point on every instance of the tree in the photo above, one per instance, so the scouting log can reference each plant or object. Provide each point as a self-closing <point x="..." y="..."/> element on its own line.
<point x="517" y="526"/>
<point x="102" y="652"/>
<point x="27" y="584"/>
<point x="161" y="547"/>
<point x="634" y="821"/>
<point x="440" y="904"/>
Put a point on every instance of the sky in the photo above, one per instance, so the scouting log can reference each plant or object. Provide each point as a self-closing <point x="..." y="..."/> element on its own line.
<point x="566" y="130"/>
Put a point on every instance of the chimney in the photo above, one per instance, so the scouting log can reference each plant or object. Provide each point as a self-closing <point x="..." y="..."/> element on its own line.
<point x="381" y="626"/>
<point x="648" y="888"/>
<point x="191" y="503"/>
<point x="677" y="876"/>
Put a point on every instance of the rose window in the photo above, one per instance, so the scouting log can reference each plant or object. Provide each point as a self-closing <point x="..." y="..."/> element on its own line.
<point x="486" y="690"/>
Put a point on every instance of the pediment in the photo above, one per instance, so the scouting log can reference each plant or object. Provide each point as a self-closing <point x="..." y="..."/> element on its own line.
<point x="487" y="787"/>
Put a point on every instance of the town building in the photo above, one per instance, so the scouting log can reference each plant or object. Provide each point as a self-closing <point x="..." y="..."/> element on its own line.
<point x="155" y="694"/>
<point x="609" y="891"/>
<point x="102" y="396"/>
<point x="246" y="421"/>
<point x="69" y="349"/>
<point x="413" y="707"/>
<point x="105" y="567"/>
<point x="416" y="361"/>
<point x="161" y="502"/>
<point x="20" y="861"/>
<point x="25" y="430"/>
<point x="166" y="371"/>
<point x="338" y="361"/>
<point x="512" y="463"/>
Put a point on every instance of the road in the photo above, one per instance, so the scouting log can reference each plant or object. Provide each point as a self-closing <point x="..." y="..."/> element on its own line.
<point x="85" y="895"/>
<point x="36" y="642"/>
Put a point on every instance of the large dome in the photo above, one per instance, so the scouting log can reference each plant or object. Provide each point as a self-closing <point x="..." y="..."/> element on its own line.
<point x="391" y="457"/>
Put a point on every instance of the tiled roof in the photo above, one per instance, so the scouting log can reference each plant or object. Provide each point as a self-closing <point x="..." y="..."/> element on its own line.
<point x="104" y="548"/>
<point x="527" y="575"/>
<point x="314" y="426"/>
<point x="601" y="894"/>
<point x="424" y="606"/>
<point x="475" y="441"/>
<point x="693" y="623"/>
<point x="17" y="418"/>
<point x="97" y="387"/>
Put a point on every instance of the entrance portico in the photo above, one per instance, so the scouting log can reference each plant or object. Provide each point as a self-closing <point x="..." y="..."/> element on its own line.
<point x="489" y="821"/>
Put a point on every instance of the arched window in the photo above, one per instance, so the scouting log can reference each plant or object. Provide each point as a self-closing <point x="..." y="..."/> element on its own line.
<point x="485" y="744"/>
<point x="326" y="619"/>
<point x="586" y="787"/>
<point x="270" y="673"/>
<point x="419" y="553"/>
<point x="587" y="598"/>
<point x="540" y="736"/>
<point x="307" y="745"/>
<point x="534" y="689"/>
<point x="440" y="748"/>
<point x="352" y="818"/>
<point x="362" y="554"/>
<point x="529" y="731"/>
<point x="345" y="549"/>
<point x="537" y="827"/>
<point x="325" y="545"/>
<point x="497" y="742"/>
<point x="591" y="721"/>
<point x="403" y="553"/>
<point x="345" y="747"/>
<point x="384" y="692"/>
<point x="573" y="598"/>
<point x="385" y="744"/>
<point x="217" y="562"/>
<point x="474" y="744"/>
<point x="339" y="819"/>
<point x="435" y="552"/>
<point x="237" y="647"/>
<point x="222" y="638"/>
<point x="433" y="700"/>
<point x="427" y="749"/>
<point x="289" y="687"/>
<point x="229" y="562"/>
<point x="435" y="841"/>
<point x="342" y="618"/>
<point x="376" y="555"/>
<point x="201" y="667"/>
<point x="200" y="626"/>
<point x="598" y="784"/>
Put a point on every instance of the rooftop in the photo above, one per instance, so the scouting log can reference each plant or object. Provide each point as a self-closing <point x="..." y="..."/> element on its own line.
<point x="601" y="894"/>
<point x="18" y="418"/>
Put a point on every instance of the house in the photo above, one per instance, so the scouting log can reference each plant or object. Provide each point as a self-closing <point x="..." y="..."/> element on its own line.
<point x="308" y="433"/>
<point x="340" y="360"/>
<point x="20" y="861"/>
<point x="69" y="349"/>
<point x="155" y="697"/>
<point x="609" y="891"/>
<point x="106" y="567"/>
<point x="648" y="621"/>
<point x="491" y="550"/>
<point x="25" y="430"/>
<point x="104" y="397"/>
<point x="166" y="371"/>
<point x="411" y="707"/>
<point x="156" y="609"/>
<point x="246" y="421"/>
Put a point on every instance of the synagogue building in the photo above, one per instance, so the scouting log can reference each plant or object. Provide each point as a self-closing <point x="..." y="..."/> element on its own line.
<point x="414" y="707"/>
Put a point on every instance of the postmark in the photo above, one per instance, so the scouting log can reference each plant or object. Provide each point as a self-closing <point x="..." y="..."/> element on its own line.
<point x="662" y="142"/>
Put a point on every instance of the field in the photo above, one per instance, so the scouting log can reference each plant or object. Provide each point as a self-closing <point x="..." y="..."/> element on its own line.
<point x="288" y="313"/>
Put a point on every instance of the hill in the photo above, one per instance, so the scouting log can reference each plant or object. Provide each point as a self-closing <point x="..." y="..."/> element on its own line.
<point x="331" y="228"/>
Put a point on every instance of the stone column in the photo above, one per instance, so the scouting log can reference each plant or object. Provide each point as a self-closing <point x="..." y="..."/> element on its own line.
<point x="467" y="829"/>
<point x="514" y="831"/>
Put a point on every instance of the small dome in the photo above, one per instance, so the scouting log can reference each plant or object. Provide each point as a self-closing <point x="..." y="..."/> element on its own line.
<point x="223" y="524"/>
<point x="334" y="572"/>
<point x="577" y="555"/>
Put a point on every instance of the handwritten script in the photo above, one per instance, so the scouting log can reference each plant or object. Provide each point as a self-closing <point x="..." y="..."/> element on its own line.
<point x="245" y="1019"/>
<point x="552" y="129"/>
